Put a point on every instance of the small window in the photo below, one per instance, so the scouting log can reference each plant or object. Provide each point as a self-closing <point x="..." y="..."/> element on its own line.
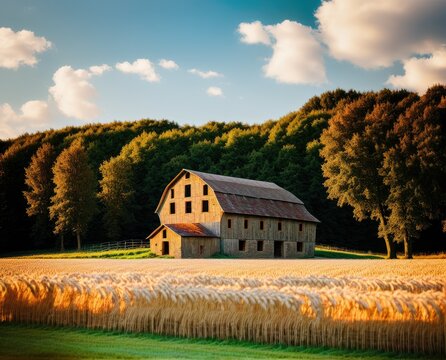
<point x="205" y="206"/>
<point x="245" y="225"/>
<point x="188" y="207"/>
<point x="172" y="208"/>
<point x="260" y="245"/>
<point x="261" y="224"/>
<point x="279" y="226"/>
<point x="229" y="223"/>
<point x="187" y="190"/>
<point x="242" y="245"/>
<point x="301" y="227"/>
<point x="205" y="189"/>
<point x="172" y="193"/>
<point x="164" y="234"/>
<point x="187" y="175"/>
<point x="201" y="250"/>
<point x="299" y="246"/>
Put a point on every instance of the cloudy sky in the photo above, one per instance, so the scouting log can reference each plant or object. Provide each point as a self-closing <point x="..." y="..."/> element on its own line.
<point x="76" y="62"/>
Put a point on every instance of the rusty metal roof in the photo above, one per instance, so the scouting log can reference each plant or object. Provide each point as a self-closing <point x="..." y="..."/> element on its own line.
<point x="193" y="229"/>
<point x="246" y="187"/>
<point x="235" y="204"/>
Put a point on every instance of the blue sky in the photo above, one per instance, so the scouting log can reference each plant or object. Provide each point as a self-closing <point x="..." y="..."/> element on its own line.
<point x="266" y="69"/>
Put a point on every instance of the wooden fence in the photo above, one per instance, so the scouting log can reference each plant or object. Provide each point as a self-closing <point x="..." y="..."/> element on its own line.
<point x="124" y="244"/>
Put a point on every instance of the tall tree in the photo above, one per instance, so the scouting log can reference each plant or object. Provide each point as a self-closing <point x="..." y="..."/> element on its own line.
<point x="38" y="178"/>
<point x="117" y="194"/>
<point x="74" y="201"/>
<point x="415" y="168"/>
<point x="352" y="151"/>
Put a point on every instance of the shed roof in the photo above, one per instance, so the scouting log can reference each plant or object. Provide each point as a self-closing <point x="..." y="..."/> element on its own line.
<point x="185" y="230"/>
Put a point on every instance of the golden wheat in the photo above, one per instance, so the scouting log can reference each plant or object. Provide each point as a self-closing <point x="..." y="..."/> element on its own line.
<point x="404" y="313"/>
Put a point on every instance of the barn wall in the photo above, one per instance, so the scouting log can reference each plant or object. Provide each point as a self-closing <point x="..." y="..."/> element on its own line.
<point x="191" y="247"/>
<point x="289" y="234"/>
<point x="210" y="219"/>
<point x="156" y="243"/>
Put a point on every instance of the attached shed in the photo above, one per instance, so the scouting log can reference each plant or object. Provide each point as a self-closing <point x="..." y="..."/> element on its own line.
<point x="184" y="241"/>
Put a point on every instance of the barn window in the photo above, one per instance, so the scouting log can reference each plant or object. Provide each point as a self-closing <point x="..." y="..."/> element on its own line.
<point x="172" y="208"/>
<point x="164" y="233"/>
<point x="205" y="189"/>
<point x="187" y="190"/>
<point x="242" y="245"/>
<point x="201" y="250"/>
<point x="245" y="224"/>
<point x="188" y="207"/>
<point x="229" y="223"/>
<point x="205" y="206"/>
<point x="260" y="245"/>
<point x="301" y="227"/>
<point x="299" y="246"/>
<point x="172" y="193"/>
<point x="279" y="226"/>
<point x="187" y="175"/>
<point x="261" y="224"/>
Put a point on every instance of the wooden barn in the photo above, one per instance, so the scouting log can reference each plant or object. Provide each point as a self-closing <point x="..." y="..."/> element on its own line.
<point x="203" y="214"/>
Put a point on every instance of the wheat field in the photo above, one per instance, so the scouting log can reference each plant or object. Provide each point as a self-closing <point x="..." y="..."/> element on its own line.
<point x="362" y="304"/>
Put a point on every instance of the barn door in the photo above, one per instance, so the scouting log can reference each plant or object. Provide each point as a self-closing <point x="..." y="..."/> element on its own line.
<point x="278" y="249"/>
<point x="165" y="249"/>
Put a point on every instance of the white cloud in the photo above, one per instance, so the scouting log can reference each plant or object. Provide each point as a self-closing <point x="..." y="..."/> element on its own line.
<point x="205" y="74"/>
<point x="373" y="34"/>
<point x="142" y="67"/>
<point x="421" y="73"/>
<point x="99" y="69"/>
<point x="297" y="55"/>
<point x="19" y="48"/>
<point x="214" y="91"/>
<point x="73" y="93"/>
<point x="33" y="115"/>
<point x="254" y="33"/>
<point x="168" y="64"/>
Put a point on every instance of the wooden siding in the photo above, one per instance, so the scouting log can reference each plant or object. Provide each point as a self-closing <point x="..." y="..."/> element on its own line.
<point x="190" y="247"/>
<point x="290" y="229"/>
<point x="210" y="218"/>
<point x="156" y="243"/>
<point x="289" y="234"/>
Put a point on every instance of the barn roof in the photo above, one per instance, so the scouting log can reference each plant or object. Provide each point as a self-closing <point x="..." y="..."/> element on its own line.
<point x="185" y="230"/>
<point x="250" y="197"/>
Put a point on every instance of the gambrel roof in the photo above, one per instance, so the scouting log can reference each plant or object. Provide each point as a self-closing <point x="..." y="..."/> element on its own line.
<point x="250" y="197"/>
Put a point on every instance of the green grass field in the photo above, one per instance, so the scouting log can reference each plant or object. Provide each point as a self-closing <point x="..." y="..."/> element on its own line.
<point x="34" y="342"/>
<point x="145" y="253"/>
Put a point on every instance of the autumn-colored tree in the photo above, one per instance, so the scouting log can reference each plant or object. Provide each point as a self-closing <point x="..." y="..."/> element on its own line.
<point x="38" y="178"/>
<point x="415" y="168"/>
<point x="74" y="200"/>
<point x="117" y="194"/>
<point x="353" y="151"/>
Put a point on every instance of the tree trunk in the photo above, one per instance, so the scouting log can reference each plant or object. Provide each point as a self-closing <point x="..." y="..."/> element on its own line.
<point x="78" y="237"/>
<point x="391" y="249"/>
<point x="390" y="245"/>
<point x="407" y="246"/>
<point x="62" y="247"/>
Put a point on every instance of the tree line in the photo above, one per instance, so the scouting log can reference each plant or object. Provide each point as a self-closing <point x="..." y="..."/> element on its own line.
<point x="380" y="153"/>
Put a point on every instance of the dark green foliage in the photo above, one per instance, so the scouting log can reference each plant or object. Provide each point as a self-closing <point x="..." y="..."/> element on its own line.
<point x="133" y="162"/>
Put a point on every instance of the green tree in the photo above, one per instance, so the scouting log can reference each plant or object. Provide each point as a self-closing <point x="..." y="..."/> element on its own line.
<point x="38" y="178"/>
<point x="117" y="195"/>
<point x="74" y="200"/>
